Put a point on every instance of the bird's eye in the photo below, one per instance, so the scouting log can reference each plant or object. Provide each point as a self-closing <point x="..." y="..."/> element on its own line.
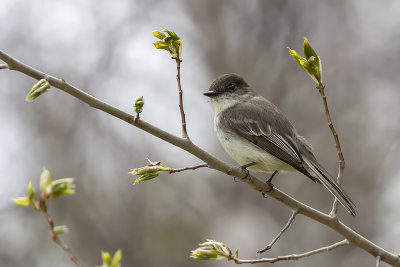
<point x="231" y="87"/>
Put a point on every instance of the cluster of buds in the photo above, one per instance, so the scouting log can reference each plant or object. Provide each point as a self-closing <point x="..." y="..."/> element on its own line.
<point x="310" y="63"/>
<point x="150" y="171"/>
<point x="170" y="41"/>
<point x="50" y="190"/>
<point x="212" y="250"/>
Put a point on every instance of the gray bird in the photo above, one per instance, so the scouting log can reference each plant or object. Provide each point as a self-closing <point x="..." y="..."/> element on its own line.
<point x="257" y="135"/>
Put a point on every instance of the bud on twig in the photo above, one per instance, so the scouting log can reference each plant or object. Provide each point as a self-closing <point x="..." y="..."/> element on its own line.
<point x="39" y="88"/>
<point x="211" y="250"/>
<point x="111" y="262"/>
<point x="311" y="63"/>
<point x="149" y="172"/>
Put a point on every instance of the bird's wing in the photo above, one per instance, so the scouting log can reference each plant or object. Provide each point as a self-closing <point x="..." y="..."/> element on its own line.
<point x="267" y="128"/>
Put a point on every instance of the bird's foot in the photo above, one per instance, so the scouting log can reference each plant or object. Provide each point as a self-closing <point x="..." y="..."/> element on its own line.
<point x="245" y="170"/>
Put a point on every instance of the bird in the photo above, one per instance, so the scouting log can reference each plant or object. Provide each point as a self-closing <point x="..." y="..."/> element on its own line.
<point x="259" y="137"/>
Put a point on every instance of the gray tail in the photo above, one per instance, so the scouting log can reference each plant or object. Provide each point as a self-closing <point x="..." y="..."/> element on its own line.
<point x="316" y="170"/>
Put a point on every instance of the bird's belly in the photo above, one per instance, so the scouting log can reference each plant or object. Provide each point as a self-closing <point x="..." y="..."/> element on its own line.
<point x="244" y="152"/>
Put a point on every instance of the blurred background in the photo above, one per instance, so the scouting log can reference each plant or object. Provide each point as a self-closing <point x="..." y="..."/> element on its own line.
<point x="105" y="48"/>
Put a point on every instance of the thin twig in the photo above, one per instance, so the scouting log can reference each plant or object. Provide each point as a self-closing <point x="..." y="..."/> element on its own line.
<point x="321" y="90"/>
<point x="294" y="213"/>
<point x="3" y="66"/>
<point x="212" y="162"/>
<point x="178" y="79"/>
<point x="293" y="256"/>
<point x="189" y="168"/>
<point x="378" y="261"/>
<point x="55" y="237"/>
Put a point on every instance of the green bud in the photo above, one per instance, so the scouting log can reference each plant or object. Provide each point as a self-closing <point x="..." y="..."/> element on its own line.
<point x="111" y="262"/>
<point x="45" y="178"/>
<point x="23" y="201"/>
<point x="149" y="172"/>
<point x="159" y="35"/>
<point x="211" y="250"/>
<point x="146" y="177"/>
<point x="106" y="258"/>
<point x="31" y="192"/>
<point x="60" y="229"/>
<point x="161" y="45"/>
<point x="39" y="88"/>
<point x="311" y="63"/>
<point x="64" y="186"/>
<point x="170" y="42"/>
<point x="139" y="103"/>
<point x="116" y="259"/>
<point x="172" y="34"/>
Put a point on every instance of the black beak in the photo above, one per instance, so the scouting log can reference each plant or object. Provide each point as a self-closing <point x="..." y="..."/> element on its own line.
<point x="211" y="93"/>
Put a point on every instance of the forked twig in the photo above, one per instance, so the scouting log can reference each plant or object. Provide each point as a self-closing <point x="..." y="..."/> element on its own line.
<point x="294" y="213"/>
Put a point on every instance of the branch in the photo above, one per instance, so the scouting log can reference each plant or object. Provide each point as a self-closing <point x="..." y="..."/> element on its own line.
<point x="321" y="89"/>
<point x="55" y="237"/>
<point x="3" y="66"/>
<point x="188" y="168"/>
<point x="353" y="237"/>
<point x="378" y="261"/>
<point x="294" y="213"/>
<point x="293" y="256"/>
<point x="178" y="79"/>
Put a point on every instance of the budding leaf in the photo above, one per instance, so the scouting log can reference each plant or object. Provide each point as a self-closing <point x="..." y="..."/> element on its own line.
<point x="64" y="186"/>
<point x="23" y="201"/>
<point x="149" y="172"/>
<point x="39" y="88"/>
<point x="211" y="250"/>
<point x="170" y="42"/>
<point x="45" y="178"/>
<point x="60" y="229"/>
<point x="311" y="63"/>
<point x="111" y="262"/>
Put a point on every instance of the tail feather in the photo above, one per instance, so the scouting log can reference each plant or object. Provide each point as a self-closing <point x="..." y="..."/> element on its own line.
<point x="317" y="171"/>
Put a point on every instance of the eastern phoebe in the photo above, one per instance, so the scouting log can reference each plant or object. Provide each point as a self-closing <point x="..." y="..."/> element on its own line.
<point x="256" y="134"/>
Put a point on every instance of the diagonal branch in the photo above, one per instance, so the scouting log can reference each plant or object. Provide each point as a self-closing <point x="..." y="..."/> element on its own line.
<point x="294" y="213"/>
<point x="293" y="256"/>
<point x="354" y="238"/>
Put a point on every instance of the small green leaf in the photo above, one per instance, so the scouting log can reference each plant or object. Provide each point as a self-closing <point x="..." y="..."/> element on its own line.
<point x="308" y="50"/>
<point x="116" y="259"/>
<point x="45" y="178"/>
<point x="159" y="35"/>
<point x="106" y="258"/>
<point x="60" y="229"/>
<point x="39" y="88"/>
<point x="31" y="192"/>
<point x="23" y="201"/>
<point x="161" y="45"/>
<point x="172" y="34"/>
<point x="237" y="253"/>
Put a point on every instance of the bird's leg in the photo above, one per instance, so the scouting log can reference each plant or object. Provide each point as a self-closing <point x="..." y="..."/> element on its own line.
<point x="244" y="168"/>
<point x="270" y="178"/>
<point x="269" y="182"/>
